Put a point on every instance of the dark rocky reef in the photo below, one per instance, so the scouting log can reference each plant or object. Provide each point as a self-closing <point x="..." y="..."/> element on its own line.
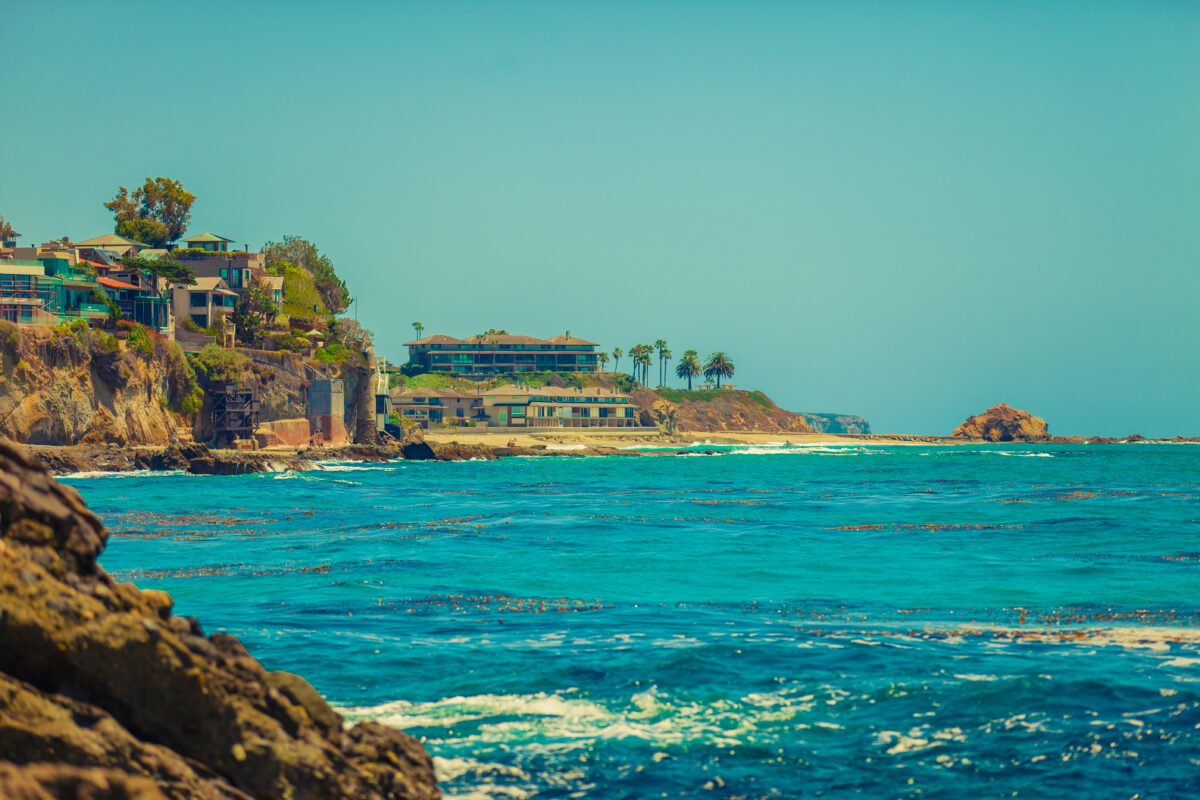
<point x="1003" y="423"/>
<point x="105" y="694"/>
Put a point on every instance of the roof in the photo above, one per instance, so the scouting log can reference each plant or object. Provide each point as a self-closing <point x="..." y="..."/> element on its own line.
<point x="434" y="393"/>
<point x="112" y="283"/>
<point x="508" y="389"/>
<point x="214" y="285"/>
<point x="314" y="333"/>
<point x="571" y="340"/>
<point x="207" y="237"/>
<point x="110" y="239"/>
<point x="153" y="252"/>
<point x="507" y="338"/>
<point x="95" y="264"/>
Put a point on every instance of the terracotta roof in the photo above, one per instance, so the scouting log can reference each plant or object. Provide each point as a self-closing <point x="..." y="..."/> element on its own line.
<point x="110" y="239"/>
<point x="571" y="340"/>
<point x="112" y="283"/>
<point x="215" y="285"/>
<point x="507" y="338"/>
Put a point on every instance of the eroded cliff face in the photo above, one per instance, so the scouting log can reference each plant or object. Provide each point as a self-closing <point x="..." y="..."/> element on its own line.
<point x="67" y="387"/>
<point x="727" y="410"/>
<point x="1003" y="423"/>
<point x="104" y="693"/>
<point x="836" y="423"/>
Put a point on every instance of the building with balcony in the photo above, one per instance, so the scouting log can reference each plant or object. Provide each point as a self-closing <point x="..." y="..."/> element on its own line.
<point x="209" y="256"/>
<point x="503" y="354"/>
<point x="432" y="407"/>
<point x="514" y="406"/>
<point x="204" y="302"/>
<point x="47" y="291"/>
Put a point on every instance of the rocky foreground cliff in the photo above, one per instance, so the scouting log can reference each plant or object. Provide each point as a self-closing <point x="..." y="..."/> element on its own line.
<point x="105" y="693"/>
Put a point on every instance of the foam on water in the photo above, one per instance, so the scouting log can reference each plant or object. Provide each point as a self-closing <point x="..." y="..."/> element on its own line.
<point x="746" y="625"/>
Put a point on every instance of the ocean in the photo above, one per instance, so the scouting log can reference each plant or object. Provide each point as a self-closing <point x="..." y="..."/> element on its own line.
<point x="999" y="620"/>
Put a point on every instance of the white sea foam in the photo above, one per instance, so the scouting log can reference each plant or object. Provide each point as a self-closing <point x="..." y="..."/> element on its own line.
<point x="566" y="719"/>
<point x="566" y="447"/>
<point x="136" y="473"/>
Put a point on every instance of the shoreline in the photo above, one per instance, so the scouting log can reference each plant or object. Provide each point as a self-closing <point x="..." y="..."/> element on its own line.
<point x="449" y="445"/>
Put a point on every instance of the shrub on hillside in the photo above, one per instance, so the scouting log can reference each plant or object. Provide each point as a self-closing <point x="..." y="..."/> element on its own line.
<point x="219" y="365"/>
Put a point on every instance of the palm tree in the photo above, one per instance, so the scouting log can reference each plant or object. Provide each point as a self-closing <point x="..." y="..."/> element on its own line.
<point x="418" y="327"/>
<point x="666" y="357"/>
<point x="719" y="366"/>
<point x="603" y="359"/>
<point x="617" y="353"/>
<point x="661" y="346"/>
<point x="689" y="366"/>
<point x="643" y="360"/>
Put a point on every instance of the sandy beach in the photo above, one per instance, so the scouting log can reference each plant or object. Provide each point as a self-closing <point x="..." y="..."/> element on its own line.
<point x="593" y="438"/>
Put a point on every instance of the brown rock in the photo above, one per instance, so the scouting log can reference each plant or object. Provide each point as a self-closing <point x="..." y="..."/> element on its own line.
<point x="99" y="685"/>
<point x="1003" y="423"/>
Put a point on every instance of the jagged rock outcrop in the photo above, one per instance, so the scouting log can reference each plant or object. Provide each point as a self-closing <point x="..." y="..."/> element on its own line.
<point x="105" y="694"/>
<point x="837" y="423"/>
<point x="1003" y="423"/>
<point x="66" y="385"/>
<point x="724" y="410"/>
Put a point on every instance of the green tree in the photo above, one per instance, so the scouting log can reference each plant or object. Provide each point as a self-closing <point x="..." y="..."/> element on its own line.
<point x="641" y="362"/>
<point x="254" y="313"/>
<point x="173" y="271"/>
<point x="689" y="366"/>
<point x="419" y="328"/>
<point x="304" y="254"/>
<point x="7" y="234"/>
<point x="617" y="353"/>
<point x="146" y="231"/>
<point x="718" y="366"/>
<point x="661" y="346"/>
<point x="163" y="200"/>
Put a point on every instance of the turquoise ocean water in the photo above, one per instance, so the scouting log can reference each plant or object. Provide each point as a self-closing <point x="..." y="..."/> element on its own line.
<point x="767" y="622"/>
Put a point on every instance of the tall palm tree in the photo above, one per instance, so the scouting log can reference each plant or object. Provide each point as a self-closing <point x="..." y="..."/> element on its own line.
<point x="661" y="347"/>
<point x="603" y="359"/>
<point x="689" y="366"/>
<point x="617" y="353"/>
<point x="666" y="372"/>
<point x="419" y="328"/>
<point x="719" y="366"/>
<point x="643" y="360"/>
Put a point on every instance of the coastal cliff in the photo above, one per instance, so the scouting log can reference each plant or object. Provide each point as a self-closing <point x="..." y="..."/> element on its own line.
<point x="837" y="423"/>
<point x="72" y="384"/>
<point x="104" y="693"/>
<point x="1003" y="423"/>
<point x="713" y="410"/>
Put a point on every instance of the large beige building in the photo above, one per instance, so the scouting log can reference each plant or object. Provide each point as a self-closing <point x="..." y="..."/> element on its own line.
<point x="517" y="406"/>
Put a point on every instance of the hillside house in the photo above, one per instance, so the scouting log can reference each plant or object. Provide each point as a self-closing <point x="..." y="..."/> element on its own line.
<point x="204" y="302"/>
<point x="502" y="354"/>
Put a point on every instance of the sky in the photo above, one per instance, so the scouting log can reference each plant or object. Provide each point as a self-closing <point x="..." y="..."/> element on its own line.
<point x="905" y="211"/>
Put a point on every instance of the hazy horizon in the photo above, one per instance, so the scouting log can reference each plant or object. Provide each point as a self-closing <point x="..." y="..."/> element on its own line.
<point x="905" y="213"/>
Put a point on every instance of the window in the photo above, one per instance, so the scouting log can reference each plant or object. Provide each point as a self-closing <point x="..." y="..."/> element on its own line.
<point x="200" y="320"/>
<point x="198" y="299"/>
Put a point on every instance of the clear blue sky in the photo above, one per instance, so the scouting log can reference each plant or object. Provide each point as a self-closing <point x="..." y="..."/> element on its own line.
<point x="908" y="211"/>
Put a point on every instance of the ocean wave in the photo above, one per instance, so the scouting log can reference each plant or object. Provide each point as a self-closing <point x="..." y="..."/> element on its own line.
<point x="137" y="473"/>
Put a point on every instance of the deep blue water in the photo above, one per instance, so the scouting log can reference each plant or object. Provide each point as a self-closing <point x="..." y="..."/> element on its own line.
<point x="880" y="622"/>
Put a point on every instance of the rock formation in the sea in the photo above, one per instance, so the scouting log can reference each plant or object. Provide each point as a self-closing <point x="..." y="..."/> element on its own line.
<point x="105" y="694"/>
<point x="837" y="423"/>
<point x="726" y="410"/>
<point x="1003" y="423"/>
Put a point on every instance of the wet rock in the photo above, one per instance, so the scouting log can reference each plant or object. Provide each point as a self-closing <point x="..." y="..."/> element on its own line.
<point x="104" y="694"/>
<point x="1003" y="423"/>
